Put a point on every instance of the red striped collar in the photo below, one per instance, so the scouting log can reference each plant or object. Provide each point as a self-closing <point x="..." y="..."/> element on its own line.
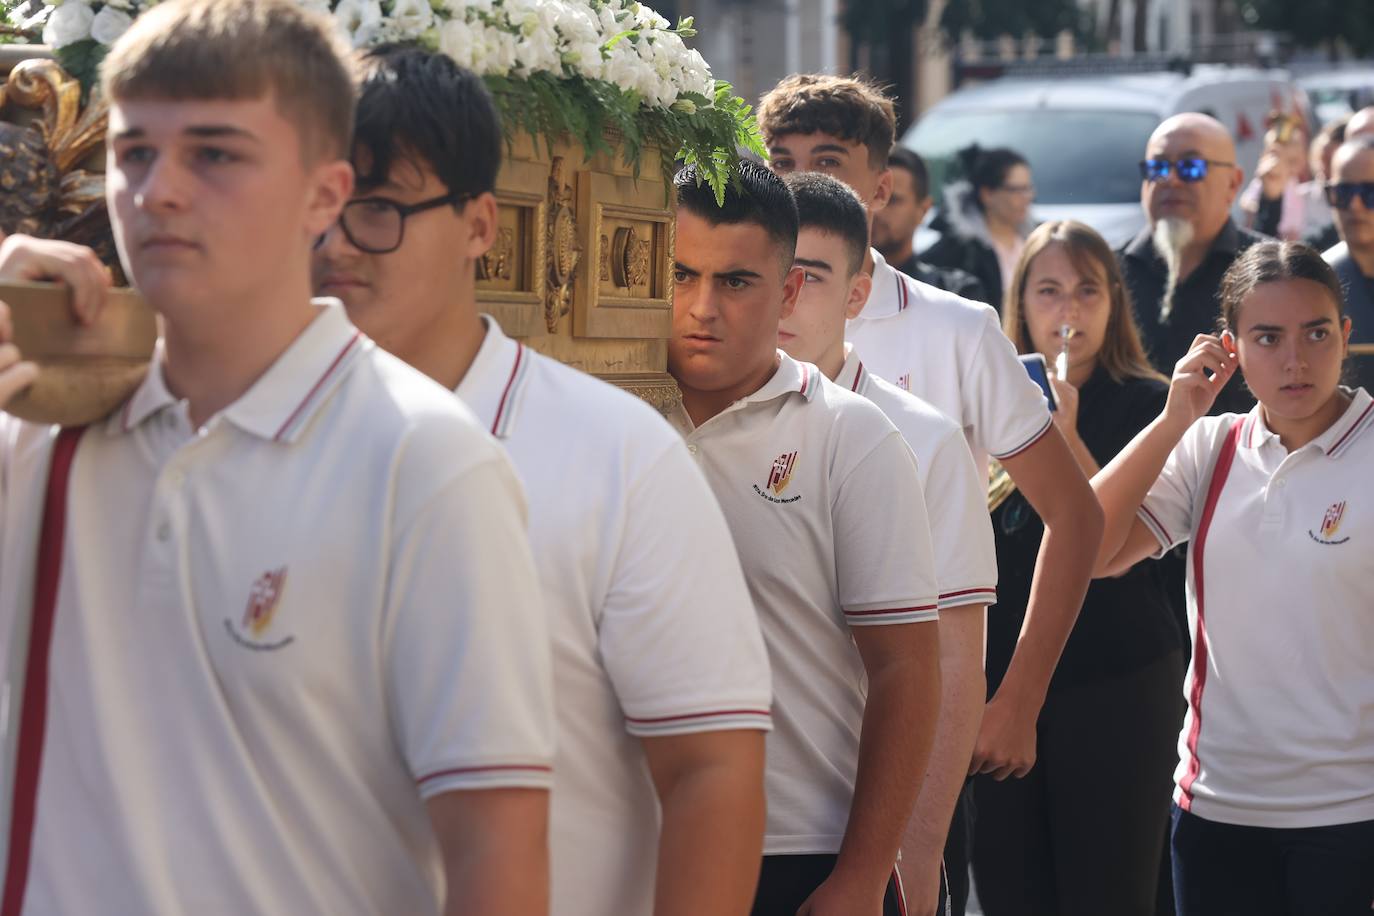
<point x="1358" y="417"/>
<point x="494" y="386"/>
<point x="1353" y="422"/>
<point x="852" y="375"/>
<point x="890" y="294"/>
<point x="285" y="397"/>
<point x="791" y="377"/>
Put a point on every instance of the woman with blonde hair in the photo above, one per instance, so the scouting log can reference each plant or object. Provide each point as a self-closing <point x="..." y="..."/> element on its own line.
<point x="1083" y="832"/>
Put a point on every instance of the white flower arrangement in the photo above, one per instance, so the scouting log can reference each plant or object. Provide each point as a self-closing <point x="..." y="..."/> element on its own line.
<point x="555" y="66"/>
<point x="618" y="41"/>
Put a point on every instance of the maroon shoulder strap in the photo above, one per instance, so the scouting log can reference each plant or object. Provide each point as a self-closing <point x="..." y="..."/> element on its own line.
<point x="33" y="715"/>
<point x="1220" y="471"/>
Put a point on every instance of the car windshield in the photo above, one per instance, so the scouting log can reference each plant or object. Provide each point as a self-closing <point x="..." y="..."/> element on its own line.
<point x="1085" y="157"/>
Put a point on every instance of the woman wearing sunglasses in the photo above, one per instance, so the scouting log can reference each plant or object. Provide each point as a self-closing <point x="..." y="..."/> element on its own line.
<point x="985" y="218"/>
<point x="1351" y="195"/>
<point x="1274" y="798"/>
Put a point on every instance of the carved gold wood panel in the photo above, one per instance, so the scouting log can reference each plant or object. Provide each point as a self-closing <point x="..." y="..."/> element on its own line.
<point x="629" y="234"/>
<point x="582" y="267"/>
<point x="511" y="278"/>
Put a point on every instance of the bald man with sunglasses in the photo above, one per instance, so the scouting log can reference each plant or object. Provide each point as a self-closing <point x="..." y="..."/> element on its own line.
<point x="1173" y="268"/>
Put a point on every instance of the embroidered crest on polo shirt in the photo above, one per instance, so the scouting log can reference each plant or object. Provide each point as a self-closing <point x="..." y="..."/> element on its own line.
<point x="263" y="598"/>
<point x="1331" y="525"/>
<point x="779" y="476"/>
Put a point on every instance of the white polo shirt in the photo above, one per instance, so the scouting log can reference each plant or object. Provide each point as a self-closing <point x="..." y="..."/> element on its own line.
<point x="956" y="495"/>
<point x="274" y="638"/>
<point x="1280" y="723"/>
<point x="653" y="630"/>
<point x="951" y="353"/>
<point x="825" y="505"/>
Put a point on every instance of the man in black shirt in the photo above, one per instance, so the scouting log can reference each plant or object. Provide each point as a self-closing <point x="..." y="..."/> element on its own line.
<point x="1352" y="174"/>
<point x="1173" y="268"/>
<point x="895" y="225"/>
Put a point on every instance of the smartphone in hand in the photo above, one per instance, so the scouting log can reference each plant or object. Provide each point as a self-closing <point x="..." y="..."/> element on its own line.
<point x="1039" y="371"/>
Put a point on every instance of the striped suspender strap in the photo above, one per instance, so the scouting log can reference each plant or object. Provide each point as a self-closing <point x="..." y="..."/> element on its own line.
<point x="1220" y="471"/>
<point x="28" y="756"/>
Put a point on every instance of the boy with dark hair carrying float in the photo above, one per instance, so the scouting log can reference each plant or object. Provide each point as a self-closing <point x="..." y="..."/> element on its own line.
<point x="825" y="506"/>
<point x="661" y="676"/>
<point x="952" y="354"/>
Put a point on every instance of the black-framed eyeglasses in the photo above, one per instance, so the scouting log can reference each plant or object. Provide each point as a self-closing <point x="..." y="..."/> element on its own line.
<point x="1190" y="169"/>
<point x="377" y="225"/>
<point x="1342" y="194"/>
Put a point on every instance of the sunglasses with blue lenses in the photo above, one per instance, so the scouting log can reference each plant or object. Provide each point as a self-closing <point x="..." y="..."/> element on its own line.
<point x="1190" y="169"/>
<point x="1343" y="194"/>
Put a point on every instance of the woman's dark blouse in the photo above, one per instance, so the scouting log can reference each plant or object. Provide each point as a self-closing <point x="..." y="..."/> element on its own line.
<point x="1126" y="622"/>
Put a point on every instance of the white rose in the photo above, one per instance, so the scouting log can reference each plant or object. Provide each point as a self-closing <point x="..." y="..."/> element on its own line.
<point x="585" y="60"/>
<point x="358" y="20"/>
<point x="697" y="75"/>
<point x="627" y="70"/>
<point x="540" y="52"/>
<point x="576" y="23"/>
<point x="68" y="24"/>
<point x="645" y="18"/>
<point x="412" y="17"/>
<point x="109" y="24"/>
<point x="458" y="40"/>
<point x="609" y="27"/>
<point x="503" y="52"/>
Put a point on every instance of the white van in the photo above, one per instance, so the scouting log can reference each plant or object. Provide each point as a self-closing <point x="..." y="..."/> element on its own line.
<point x="1084" y="136"/>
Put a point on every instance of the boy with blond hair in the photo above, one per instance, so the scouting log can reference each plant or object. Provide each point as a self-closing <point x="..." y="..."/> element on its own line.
<point x="285" y="648"/>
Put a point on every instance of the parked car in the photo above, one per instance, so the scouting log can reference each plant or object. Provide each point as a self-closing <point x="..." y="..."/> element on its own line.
<point x="1085" y="135"/>
<point x="1337" y="93"/>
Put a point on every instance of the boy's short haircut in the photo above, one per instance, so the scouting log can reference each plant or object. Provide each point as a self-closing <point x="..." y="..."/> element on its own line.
<point x="911" y="161"/>
<point x="419" y="105"/>
<point x="831" y="206"/>
<point x="240" y="50"/>
<point x="761" y="198"/>
<point x="842" y="106"/>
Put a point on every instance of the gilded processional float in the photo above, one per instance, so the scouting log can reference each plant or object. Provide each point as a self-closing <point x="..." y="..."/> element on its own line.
<point x="599" y="97"/>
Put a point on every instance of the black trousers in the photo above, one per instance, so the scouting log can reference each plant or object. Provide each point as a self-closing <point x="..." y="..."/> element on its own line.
<point x="1083" y="832"/>
<point x="1227" y="870"/>
<point x="786" y="881"/>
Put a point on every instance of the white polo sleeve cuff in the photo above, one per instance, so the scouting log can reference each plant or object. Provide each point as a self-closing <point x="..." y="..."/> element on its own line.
<point x="888" y="613"/>
<point x="508" y="775"/>
<point x="1157" y="528"/>
<point x="1027" y="443"/>
<point x="965" y="596"/>
<point x="744" y="717"/>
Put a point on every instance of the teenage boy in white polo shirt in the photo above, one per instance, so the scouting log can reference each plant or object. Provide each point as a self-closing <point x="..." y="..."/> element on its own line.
<point x="661" y="675"/>
<point x="825" y="505"/>
<point x="285" y="648"/>
<point x="952" y="354"/>
<point x="830" y="249"/>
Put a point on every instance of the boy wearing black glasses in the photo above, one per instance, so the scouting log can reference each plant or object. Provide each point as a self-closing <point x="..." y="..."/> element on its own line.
<point x="662" y="686"/>
<point x="1173" y="268"/>
<point x="1351" y="196"/>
